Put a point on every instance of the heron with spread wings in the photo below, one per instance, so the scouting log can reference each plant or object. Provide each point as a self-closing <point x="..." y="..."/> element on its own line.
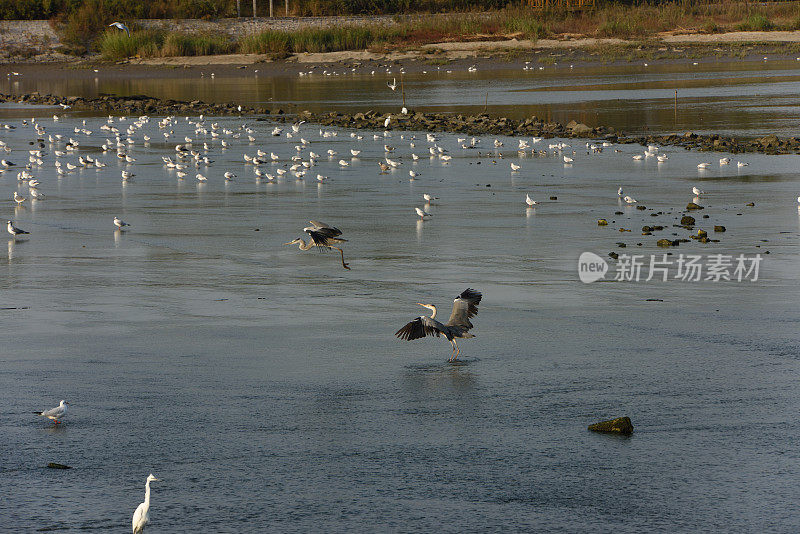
<point x="323" y="236"/>
<point x="465" y="306"/>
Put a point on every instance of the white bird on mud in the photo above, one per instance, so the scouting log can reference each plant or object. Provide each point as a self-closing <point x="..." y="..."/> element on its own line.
<point x="422" y="213"/>
<point x="629" y="199"/>
<point x="142" y="514"/>
<point x="529" y="201"/>
<point x="54" y="414"/>
<point x="120" y="26"/>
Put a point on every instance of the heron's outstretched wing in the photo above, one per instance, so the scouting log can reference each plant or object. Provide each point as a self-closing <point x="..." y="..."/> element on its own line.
<point x="464" y="307"/>
<point x="324" y="229"/>
<point x="420" y="327"/>
<point x="323" y="240"/>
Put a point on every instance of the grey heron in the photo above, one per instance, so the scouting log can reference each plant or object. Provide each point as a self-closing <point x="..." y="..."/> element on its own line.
<point x="465" y="306"/>
<point x="120" y="26"/>
<point x="323" y="236"/>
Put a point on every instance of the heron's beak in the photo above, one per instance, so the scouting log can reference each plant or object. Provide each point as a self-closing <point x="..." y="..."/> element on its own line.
<point x="156" y="480"/>
<point x="289" y="243"/>
<point x="423" y="305"/>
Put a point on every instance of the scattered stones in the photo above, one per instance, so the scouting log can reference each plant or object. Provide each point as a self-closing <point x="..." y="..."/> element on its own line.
<point x="53" y="465"/>
<point x="641" y="208"/>
<point x="687" y="220"/>
<point x="702" y="233"/>
<point x="620" y="425"/>
<point x="602" y="222"/>
<point x="719" y="228"/>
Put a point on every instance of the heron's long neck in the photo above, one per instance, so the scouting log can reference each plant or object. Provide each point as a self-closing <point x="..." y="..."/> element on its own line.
<point x="147" y="495"/>
<point x="304" y="246"/>
<point x="433" y="315"/>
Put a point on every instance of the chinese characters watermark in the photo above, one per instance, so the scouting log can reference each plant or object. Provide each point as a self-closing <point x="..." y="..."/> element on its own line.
<point x="664" y="267"/>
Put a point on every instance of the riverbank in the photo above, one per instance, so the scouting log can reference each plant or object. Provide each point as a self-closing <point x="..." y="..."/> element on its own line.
<point x="481" y="124"/>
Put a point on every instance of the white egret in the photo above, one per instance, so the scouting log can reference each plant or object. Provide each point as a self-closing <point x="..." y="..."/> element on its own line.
<point x="142" y="514"/>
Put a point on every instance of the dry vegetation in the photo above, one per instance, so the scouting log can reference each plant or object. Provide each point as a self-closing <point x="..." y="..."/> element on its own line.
<point x="626" y="21"/>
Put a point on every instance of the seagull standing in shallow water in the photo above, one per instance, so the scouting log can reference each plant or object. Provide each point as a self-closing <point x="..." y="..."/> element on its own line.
<point x="13" y="230"/>
<point x="119" y="223"/>
<point x="54" y="414"/>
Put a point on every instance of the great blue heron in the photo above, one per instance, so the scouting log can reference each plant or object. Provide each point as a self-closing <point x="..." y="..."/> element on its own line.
<point x="464" y="307"/>
<point x="323" y="236"/>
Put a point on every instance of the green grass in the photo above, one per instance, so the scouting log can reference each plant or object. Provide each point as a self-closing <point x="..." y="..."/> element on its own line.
<point x="756" y="22"/>
<point x="116" y="45"/>
<point x="317" y="40"/>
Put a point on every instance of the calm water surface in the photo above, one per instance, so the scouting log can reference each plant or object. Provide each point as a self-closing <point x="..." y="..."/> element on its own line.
<point x="264" y="384"/>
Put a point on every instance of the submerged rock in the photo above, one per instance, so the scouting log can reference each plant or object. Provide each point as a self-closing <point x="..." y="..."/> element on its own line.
<point x="620" y="425"/>
<point x="719" y="228"/>
<point x="602" y="222"/>
<point x="687" y="220"/>
<point x="693" y="206"/>
<point x="53" y="465"/>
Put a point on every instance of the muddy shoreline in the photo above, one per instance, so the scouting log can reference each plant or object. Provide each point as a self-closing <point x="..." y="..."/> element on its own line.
<point x="481" y="124"/>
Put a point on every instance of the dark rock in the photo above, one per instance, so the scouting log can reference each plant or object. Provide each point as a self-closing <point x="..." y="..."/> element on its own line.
<point x="620" y="425"/>
<point x="719" y="228"/>
<point x="751" y="204"/>
<point x="702" y="233"/>
<point x="693" y="206"/>
<point x="667" y="243"/>
<point x="53" y="465"/>
<point x="687" y="220"/>
<point x="553" y="198"/>
<point x="602" y="222"/>
<point x="613" y="255"/>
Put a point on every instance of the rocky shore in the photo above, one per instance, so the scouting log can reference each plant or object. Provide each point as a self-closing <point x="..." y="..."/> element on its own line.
<point x="481" y="124"/>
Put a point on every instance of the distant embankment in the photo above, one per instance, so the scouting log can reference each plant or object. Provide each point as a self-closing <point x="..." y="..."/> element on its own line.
<point x="33" y="38"/>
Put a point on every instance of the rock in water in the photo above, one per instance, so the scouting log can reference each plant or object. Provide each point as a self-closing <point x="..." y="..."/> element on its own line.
<point x="693" y="206"/>
<point x="53" y="465"/>
<point x="620" y="425"/>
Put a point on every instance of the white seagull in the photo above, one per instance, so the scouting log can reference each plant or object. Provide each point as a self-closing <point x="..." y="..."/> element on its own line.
<point x="119" y="223"/>
<point x="629" y="199"/>
<point x="13" y="230"/>
<point x="697" y="191"/>
<point x="120" y="26"/>
<point x="392" y="85"/>
<point x="54" y="414"/>
<point x="422" y="213"/>
<point x="529" y="201"/>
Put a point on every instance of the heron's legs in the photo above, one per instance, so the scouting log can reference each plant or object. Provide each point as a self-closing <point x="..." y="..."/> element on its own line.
<point x="458" y="351"/>
<point x="342" y="253"/>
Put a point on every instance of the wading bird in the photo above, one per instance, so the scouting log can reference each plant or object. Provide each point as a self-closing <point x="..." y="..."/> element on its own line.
<point x="323" y="237"/>
<point x="119" y="223"/>
<point x="142" y="514"/>
<point x="464" y="307"/>
<point x="54" y="414"/>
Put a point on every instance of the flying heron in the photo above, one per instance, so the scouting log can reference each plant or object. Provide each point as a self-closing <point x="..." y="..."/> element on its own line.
<point x="464" y="307"/>
<point x="323" y="237"/>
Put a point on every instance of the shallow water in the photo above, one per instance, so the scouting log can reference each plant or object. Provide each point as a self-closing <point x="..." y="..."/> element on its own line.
<point x="265" y="387"/>
<point x="735" y="97"/>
